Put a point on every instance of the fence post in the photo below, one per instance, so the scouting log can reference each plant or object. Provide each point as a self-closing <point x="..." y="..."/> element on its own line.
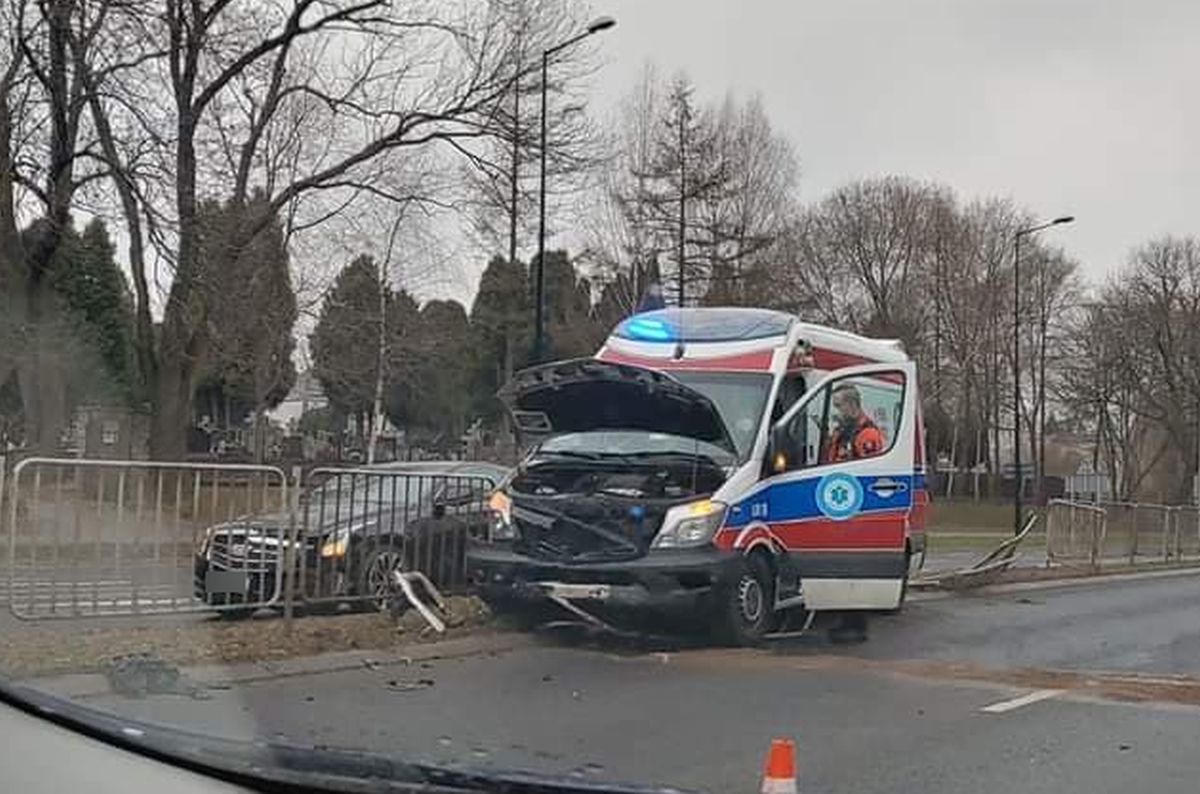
<point x="1100" y="530"/>
<point x="1166" y="534"/>
<point x="292" y="496"/>
<point x="1133" y="540"/>
<point x="3" y="483"/>
<point x="12" y="527"/>
<point x="1197" y="509"/>
<point x="1050" y="514"/>
<point x="1071" y="531"/>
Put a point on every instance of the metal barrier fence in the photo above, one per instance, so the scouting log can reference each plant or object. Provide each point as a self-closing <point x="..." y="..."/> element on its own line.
<point x="92" y="537"/>
<point x="1094" y="534"/>
<point x="361" y="525"/>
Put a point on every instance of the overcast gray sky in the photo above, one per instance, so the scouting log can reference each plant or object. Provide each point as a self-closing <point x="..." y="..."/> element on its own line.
<point x="1086" y="107"/>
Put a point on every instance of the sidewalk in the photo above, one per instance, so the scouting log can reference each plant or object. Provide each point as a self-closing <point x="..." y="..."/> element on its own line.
<point x="221" y="676"/>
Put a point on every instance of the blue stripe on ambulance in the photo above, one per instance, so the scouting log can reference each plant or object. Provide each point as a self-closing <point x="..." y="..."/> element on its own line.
<point x="797" y="500"/>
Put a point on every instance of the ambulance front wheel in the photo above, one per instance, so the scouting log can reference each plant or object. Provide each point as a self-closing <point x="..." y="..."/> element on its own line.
<point x="746" y="605"/>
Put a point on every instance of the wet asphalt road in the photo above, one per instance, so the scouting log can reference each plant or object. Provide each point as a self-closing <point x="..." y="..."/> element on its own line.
<point x="866" y="718"/>
<point x="1147" y="625"/>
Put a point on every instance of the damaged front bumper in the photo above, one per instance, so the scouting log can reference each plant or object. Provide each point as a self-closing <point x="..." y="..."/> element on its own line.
<point x="662" y="580"/>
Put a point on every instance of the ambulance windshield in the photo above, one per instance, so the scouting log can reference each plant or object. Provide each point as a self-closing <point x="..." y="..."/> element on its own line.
<point x="739" y="397"/>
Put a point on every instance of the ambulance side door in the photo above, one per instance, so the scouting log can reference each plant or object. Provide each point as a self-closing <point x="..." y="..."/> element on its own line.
<point x="843" y="523"/>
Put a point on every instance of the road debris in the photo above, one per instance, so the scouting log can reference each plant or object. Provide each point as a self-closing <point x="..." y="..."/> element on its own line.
<point x="983" y="572"/>
<point x="140" y="674"/>
<point x="397" y="685"/>
<point x="39" y="649"/>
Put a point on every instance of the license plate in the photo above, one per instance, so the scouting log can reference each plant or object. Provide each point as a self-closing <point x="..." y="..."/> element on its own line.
<point x="227" y="582"/>
<point x="597" y="592"/>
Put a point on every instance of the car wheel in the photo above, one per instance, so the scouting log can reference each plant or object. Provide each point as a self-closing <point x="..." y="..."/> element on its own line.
<point x="746" y="606"/>
<point x="851" y="629"/>
<point x="903" y="587"/>
<point x="230" y="612"/>
<point x="376" y="576"/>
<point x="438" y="549"/>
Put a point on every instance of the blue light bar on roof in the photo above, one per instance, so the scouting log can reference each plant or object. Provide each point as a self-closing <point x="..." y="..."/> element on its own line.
<point x="649" y="329"/>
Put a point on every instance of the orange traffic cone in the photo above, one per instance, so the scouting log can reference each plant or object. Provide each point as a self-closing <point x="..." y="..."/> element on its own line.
<point x="779" y="776"/>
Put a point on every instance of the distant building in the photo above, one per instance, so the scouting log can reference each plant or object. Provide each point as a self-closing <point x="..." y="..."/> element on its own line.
<point x="306" y="395"/>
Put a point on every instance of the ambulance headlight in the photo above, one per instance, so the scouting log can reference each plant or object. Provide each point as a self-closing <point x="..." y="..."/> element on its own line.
<point x="500" y="524"/>
<point x="692" y="524"/>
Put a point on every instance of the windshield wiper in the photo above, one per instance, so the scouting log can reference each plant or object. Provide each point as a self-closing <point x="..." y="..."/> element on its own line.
<point x="571" y="453"/>
<point x="688" y="457"/>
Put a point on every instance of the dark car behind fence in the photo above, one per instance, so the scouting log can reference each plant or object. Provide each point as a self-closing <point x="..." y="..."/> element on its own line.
<point x="93" y="538"/>
<point x="362" y="525"/>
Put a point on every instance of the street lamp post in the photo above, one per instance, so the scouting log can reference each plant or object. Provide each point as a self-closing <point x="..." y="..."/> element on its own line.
<point x="539" y="329"/>
<point x="1016" y="343"/>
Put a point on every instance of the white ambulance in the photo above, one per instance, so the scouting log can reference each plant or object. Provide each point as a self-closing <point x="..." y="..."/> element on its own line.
<point x="730" y="462"/>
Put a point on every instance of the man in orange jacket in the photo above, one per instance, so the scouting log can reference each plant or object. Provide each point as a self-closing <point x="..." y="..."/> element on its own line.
<point x="854" y="434"/>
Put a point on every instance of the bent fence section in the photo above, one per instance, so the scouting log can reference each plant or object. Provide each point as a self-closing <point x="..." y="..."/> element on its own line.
<point x="361" y="525"/>
<point x="1092" y="535"/>
<point x="112" y="538"/>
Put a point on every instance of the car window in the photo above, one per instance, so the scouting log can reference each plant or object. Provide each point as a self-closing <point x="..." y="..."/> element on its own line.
<point x="791" y="388"/>
<point x="739" y="398"/>
<point x="851" y="418"/>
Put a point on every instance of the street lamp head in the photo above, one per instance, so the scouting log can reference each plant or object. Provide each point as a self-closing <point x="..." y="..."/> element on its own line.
<point x="1063" y="219"/>
<point x="601" y="23"/>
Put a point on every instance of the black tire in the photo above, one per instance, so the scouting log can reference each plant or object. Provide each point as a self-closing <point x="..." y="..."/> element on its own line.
<point x="745" y="607"/>
<point x="230" y="612"/>
<point x="850" y="630"/>
<point x="373" y="579"/>
<point x="903" y="586"/>
<point x="245" y="613"/>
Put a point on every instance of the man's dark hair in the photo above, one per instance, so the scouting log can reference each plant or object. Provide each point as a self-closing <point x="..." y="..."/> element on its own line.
<point x="850" y="391"/>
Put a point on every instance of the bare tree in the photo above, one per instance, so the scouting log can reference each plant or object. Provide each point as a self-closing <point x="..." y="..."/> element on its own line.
<point x="705" y="190"/>
<point x="900" y="258"/>
<point x="501" y="176"/>
<point x="307" y="101"/>
<point x="751" y="214"/>
<point x="47" y="157"/>
<point x="621" y="242"/>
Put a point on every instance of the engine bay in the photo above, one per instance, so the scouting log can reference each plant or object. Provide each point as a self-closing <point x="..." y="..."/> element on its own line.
<point x="568" y="509"/>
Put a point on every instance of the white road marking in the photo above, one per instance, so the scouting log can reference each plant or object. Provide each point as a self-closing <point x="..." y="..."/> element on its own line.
<point x="1024" y="700"/>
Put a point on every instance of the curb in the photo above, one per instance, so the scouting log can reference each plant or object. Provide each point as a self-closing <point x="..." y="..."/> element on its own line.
<point x="933" y="593"/>
<point x="85" y="685"/>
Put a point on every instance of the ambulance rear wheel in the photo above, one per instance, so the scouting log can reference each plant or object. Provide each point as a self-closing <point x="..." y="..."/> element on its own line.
<point x="896" y="610"/>
<point x="746" y="606"/>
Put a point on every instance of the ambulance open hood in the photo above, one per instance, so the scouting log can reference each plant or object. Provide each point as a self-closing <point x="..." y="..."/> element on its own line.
<point x="587" y="394"/>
